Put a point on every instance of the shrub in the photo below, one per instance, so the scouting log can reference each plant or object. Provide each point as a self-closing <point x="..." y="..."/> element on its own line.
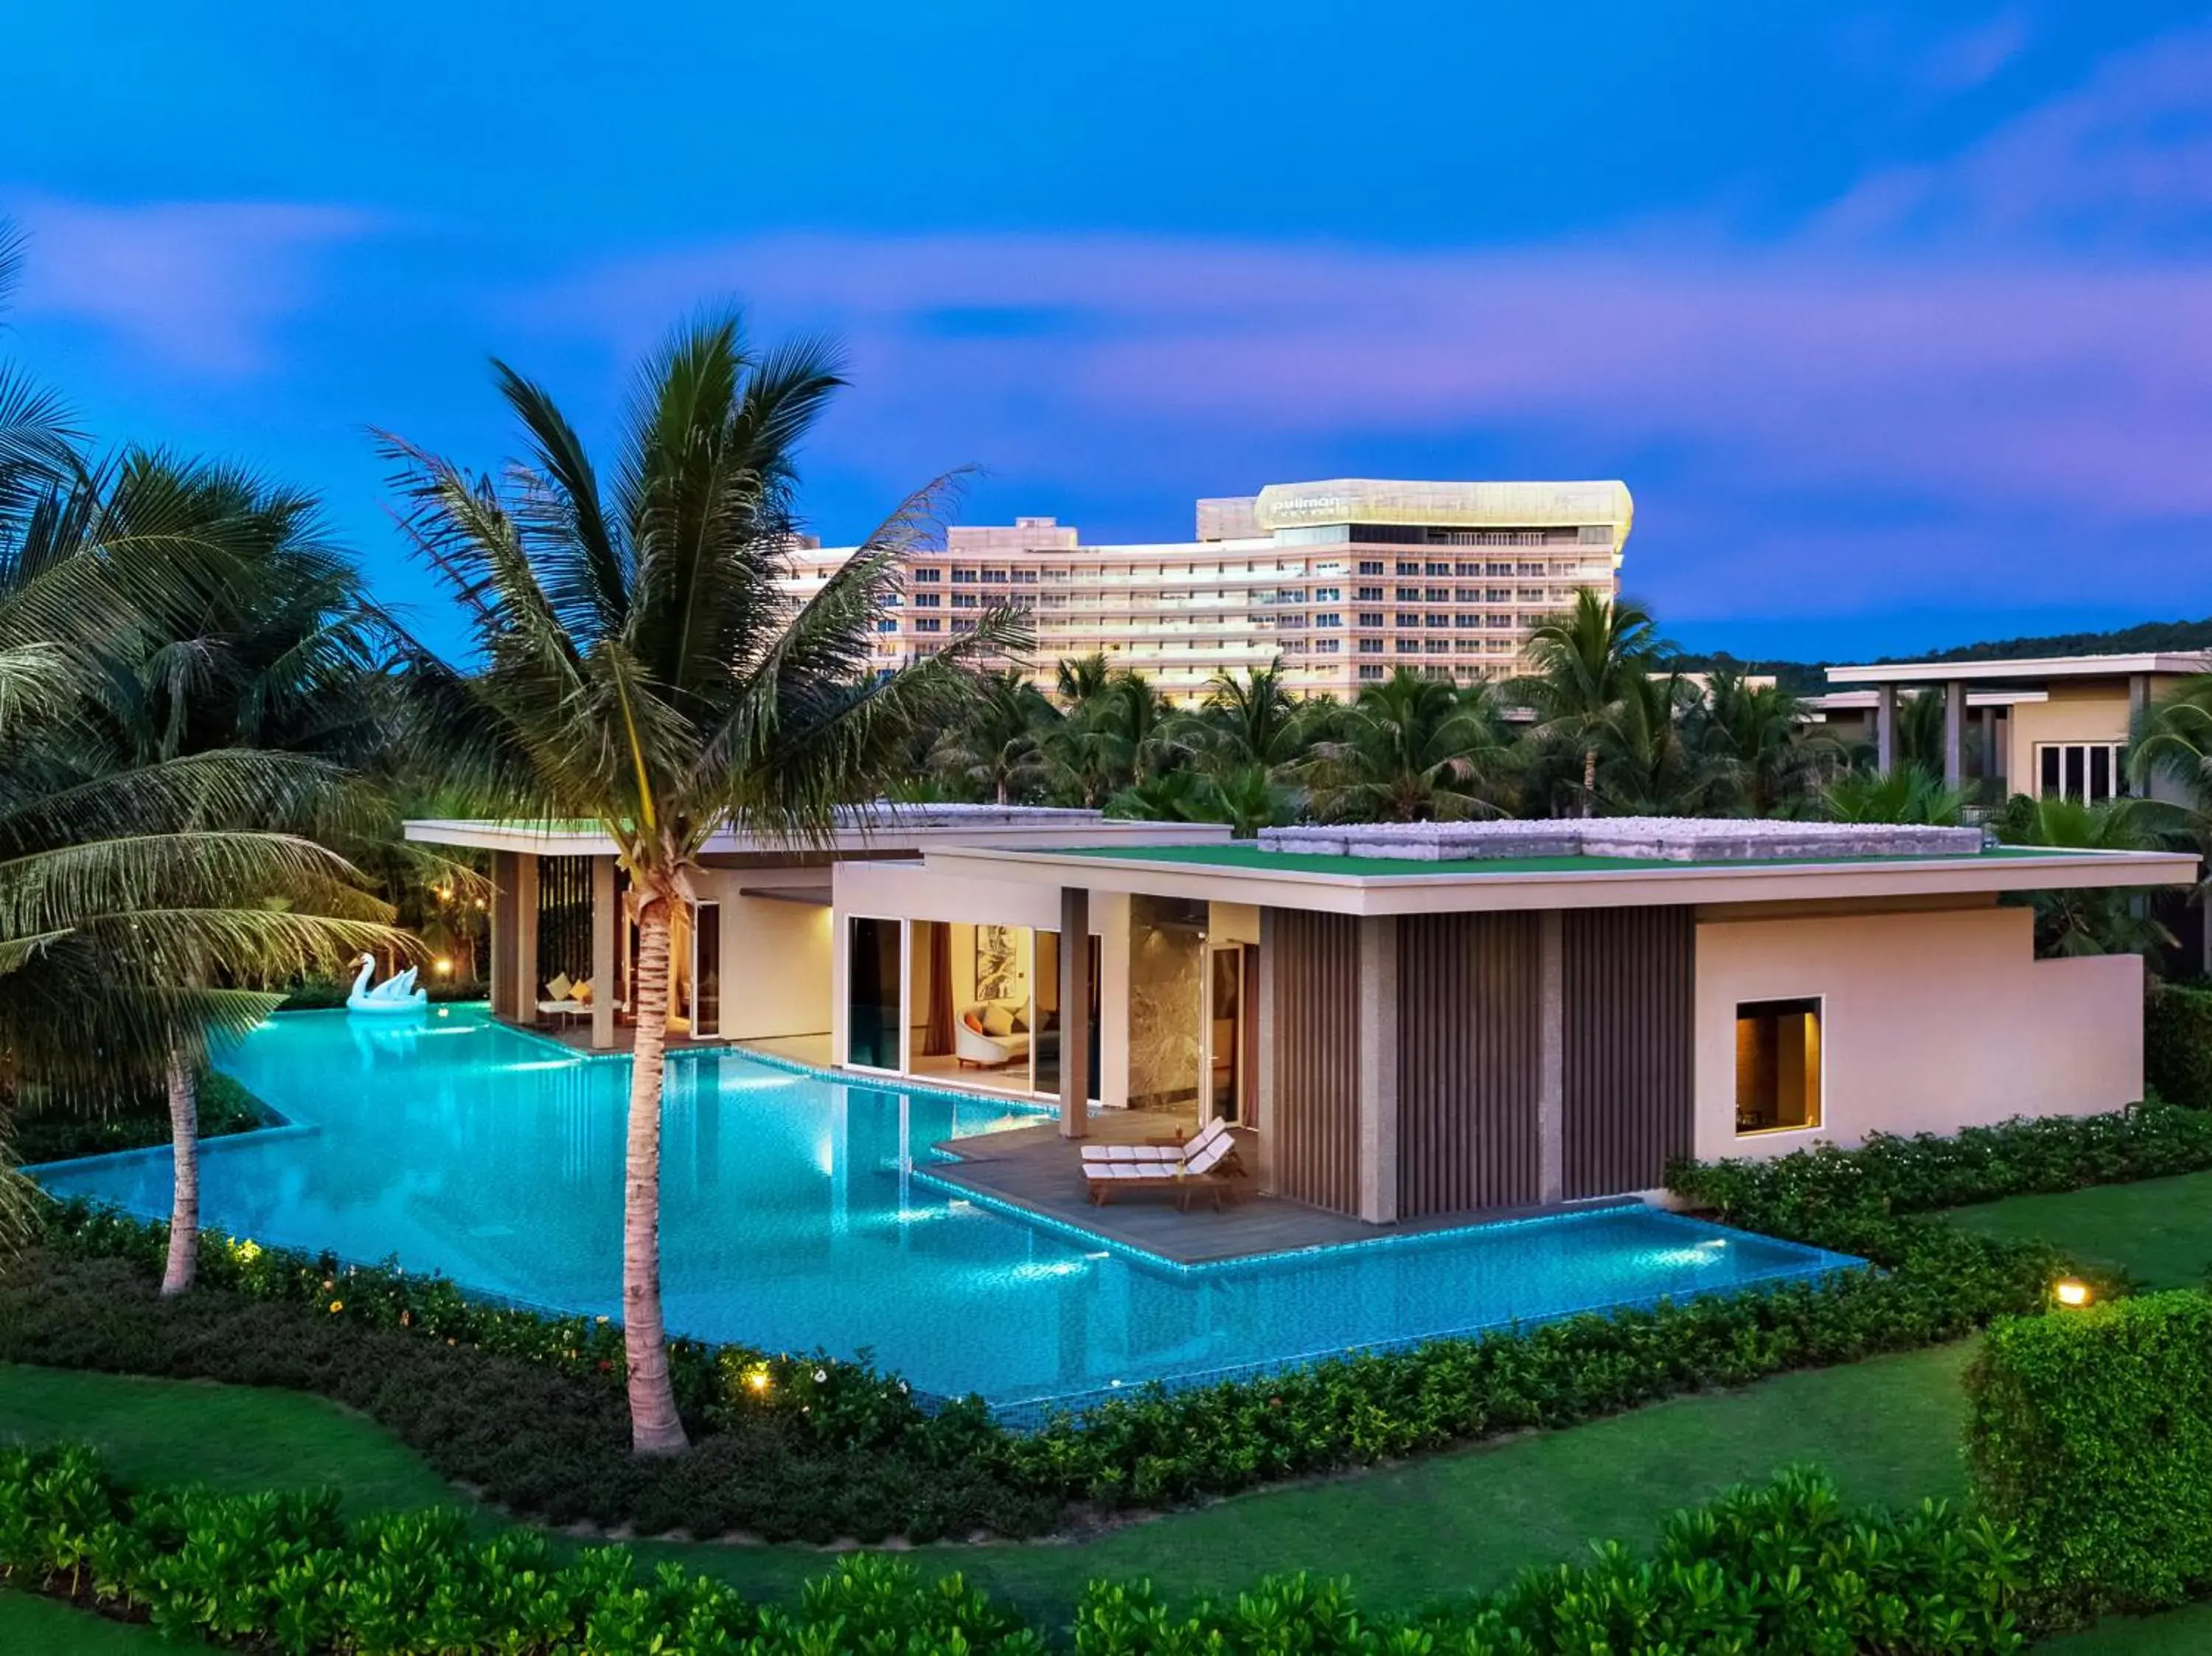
<point x="2092" y="1433"/>
<point x="1785" y="1569"/>
<point x="2177" y="1044"/>
<point x="55" y="1135"/>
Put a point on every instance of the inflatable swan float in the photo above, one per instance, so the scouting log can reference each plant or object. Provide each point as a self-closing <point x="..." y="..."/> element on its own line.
<point x="394" y="994"/>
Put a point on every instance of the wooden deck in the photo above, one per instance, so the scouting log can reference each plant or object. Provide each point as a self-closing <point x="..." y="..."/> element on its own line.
<point x="1034" y="1169"/>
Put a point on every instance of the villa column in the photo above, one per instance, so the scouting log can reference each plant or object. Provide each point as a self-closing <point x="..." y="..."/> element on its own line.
<point x="1989" y="754"/>
<point x="604" y="918"/>
<point x="1551" y="1057"/>
<point x="1074" y="1012"/>
<point x="501" y="928"/>
<point x="1954" y="734"/>
<point x="526" y="989"/>
<point x="1885" y="728"/>
<point x="1378" y="1069"/>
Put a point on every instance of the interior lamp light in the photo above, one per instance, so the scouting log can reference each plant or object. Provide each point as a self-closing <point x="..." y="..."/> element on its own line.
<point x="2071" y="1292"/>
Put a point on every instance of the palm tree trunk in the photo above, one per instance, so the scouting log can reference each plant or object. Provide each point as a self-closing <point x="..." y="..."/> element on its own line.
<point x="1589" y="779"/>
<point x="184" y="1197"/>
<point x="655" y="1427"/>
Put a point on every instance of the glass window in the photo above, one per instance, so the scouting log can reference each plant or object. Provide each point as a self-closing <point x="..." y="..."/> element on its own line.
<point x="1778" y="1066"/>
<point x="1370" y="566"/>
<point x="706" y="970"/>
<point x="872" y="993"/>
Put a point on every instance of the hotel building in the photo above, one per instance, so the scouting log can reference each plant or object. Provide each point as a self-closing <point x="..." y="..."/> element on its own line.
<point x="1343" y="581"/>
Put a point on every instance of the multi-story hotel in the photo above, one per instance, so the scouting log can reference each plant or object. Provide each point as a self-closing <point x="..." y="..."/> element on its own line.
<point x="1342" y="580"/>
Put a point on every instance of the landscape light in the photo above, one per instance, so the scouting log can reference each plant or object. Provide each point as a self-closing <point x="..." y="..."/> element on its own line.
<point x="756" y="1377"/>
<point x="443" y="965"/>
<point x="2071" y="1292"/>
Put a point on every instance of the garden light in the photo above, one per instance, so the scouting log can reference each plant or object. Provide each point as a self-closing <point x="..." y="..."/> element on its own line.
<point x="445" y="966"/>
<point x="2071" y="1292"/>
<point x="756" y="1377"/>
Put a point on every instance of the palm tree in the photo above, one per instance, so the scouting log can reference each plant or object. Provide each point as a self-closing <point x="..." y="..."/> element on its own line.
<point x="2174" y="741"/>
<point x="1255" y="719"/>
<point x="2091" y="922"/>
<point x="1759" y="733"/>
<point x="1584" y="661"/>
<point x="1416" y="750"/>
<point x="1907" y="793"/>
<point x="643" y="670"/>
<point x="1649" y="769"/>
<point x="999" y="748"/>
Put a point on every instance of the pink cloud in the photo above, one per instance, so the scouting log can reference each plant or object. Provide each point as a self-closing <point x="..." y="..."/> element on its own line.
<point x="197" y="286"/>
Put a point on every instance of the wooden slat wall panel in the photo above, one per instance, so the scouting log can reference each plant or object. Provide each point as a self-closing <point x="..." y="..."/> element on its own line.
<point x="1630" y="984"/>
<point x="1314" y="1123"/>
<point x="1469" y="1062"/>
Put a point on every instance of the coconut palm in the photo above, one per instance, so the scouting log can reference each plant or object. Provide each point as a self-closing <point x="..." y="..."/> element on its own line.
<point x="2173" y="741"/>
<point x="1254" y="720"/>
<point x="1649" y="765"/>
<point x="1760" y="735"/>
<point x="1582" y="662"/>
<point x="2092" y="922"/>
<point x="140" y="892"/>
<point x="643" y="669"/>
<point x="1414" y="749"/>
<point x="998" y="749"/>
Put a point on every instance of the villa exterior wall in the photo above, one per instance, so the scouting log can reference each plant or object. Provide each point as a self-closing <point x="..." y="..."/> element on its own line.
<point x="1470" y="1062"/>
<point x="1312" y="975"/>
<point x="1931" y="1021"/>
<point x="2094" y="711"/>
<point x="1628" y="1083"/>
<point x="775" y="959"/>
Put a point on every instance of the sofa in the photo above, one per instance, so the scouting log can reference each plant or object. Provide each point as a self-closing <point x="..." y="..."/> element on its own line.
<point x="991" y="1035"/>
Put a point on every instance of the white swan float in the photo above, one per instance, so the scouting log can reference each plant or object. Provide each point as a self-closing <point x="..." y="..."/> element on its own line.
<point x="394" y="995"/>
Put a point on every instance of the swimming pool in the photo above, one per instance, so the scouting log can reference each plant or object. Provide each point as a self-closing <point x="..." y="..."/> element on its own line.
<point x="790" y="1219"/>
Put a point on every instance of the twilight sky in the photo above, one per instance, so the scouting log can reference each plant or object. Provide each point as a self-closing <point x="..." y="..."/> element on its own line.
<point x="1897" y="319"/>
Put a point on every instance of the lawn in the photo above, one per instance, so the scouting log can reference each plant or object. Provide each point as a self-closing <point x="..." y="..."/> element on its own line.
<point x="2159" y="1231"/>
<point x="1888" y="1430"/>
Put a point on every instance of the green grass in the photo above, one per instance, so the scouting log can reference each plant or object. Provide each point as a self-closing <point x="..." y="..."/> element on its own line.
<point x="1888" y="1429"/>
<point x="2158" y="1231"/>
<point x="40" y="1627"/>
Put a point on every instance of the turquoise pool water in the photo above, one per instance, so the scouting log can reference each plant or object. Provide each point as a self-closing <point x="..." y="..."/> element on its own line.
<point x="792" y="1219"/>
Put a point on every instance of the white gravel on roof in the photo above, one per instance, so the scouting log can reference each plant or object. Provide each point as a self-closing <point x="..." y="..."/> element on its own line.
<point x="1660" y="839"/>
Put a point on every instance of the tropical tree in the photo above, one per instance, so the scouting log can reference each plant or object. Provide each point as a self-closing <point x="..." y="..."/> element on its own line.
<point x="643" y="668"/>
<point x="998" y="749"/>
<point x="1905" y="793"/>
<point x="2106" y="921"/>
<point x="1759" y="734"/>
<point x="2173" y="741"/>
<point x="1252" y="720"/>
<point x="1584" y="661"/>
<point x="1649" y="765"/>
<point x="1414" y="749"/>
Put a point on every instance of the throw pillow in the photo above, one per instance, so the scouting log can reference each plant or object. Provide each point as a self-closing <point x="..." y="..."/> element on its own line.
<point x="974" y="1021"/>
<point x="559" y="988"/>
<point x="997" y="1021"/>
<point x="581" y="992"/>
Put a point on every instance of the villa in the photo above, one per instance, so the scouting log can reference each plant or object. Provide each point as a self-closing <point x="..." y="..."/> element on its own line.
<point x="1401" y="1024"/>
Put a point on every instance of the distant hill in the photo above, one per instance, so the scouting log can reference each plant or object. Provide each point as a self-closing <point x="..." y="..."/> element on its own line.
<point x="1810" y="677"/>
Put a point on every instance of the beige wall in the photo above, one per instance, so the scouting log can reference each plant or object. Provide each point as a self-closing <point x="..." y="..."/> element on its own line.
<point x="776" y="956"/>
<point x="1931" y="1022"/>
<point x="2075" y="712"/>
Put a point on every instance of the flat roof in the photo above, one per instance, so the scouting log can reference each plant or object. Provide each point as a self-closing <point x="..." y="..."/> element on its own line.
<point x="880" y="828"/>
<point x="1242" y="872"/>
<point x="1942" y="672"/>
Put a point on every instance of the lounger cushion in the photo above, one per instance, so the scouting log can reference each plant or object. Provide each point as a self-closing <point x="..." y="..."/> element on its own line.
<point x="559" y="988"/>
<point x="998" y="1020"/>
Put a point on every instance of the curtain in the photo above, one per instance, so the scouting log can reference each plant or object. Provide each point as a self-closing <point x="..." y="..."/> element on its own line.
<point x="937" y="1033"/>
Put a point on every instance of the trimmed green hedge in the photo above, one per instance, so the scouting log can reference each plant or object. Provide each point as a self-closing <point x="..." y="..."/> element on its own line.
<point x="1785" y="1568"/>
<point x="2177" y="1044"/>
<point x="56" y="1136"/>
<point x="2092" y="1431"/>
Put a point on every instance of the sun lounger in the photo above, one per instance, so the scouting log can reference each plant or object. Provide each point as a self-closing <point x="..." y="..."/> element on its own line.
<point x="1156" y="1152"/>
<point x="1203" y="1167"/>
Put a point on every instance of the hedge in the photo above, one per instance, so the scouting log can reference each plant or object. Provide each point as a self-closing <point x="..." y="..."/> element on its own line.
<point x="2092" y="1433"/>
<point x="2177" y="1044"/>
<point x="1784" y="1569"/>
<point x="57" y="1135"/>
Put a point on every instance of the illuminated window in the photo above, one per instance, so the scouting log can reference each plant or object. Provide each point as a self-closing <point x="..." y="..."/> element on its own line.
<point x="1778" y="1066"/>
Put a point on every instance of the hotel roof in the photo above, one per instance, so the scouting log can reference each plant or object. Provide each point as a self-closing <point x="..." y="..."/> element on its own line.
<point x="2032" y="667"/>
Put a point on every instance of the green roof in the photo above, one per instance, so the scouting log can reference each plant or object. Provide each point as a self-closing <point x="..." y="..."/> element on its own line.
<point x="1244" y="854"/>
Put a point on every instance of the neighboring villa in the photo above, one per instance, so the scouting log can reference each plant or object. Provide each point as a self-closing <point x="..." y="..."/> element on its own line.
<point x="2046" y="726"/>
<point x="1402" y="1023"/>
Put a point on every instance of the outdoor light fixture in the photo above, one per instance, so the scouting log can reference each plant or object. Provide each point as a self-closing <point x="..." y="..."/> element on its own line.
<point x="756" y="1377"/>
<point x="445" y="966"/>
<point x="2071" y="1292"/>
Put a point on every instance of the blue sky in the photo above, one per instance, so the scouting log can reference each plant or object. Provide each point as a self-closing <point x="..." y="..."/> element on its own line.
<point x="1896" y="319"/>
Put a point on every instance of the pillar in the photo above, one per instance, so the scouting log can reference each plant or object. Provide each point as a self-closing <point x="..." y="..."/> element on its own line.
<point x="1954" y="734"/>
<point x="501" y="927"/>
<point x="1885" y="728"/>
<point x="1378" y="1069"/>
<point x="1991" y="771"/>
<point x="1263" y="1167"/>
<point x="1074" y="1012"/>
<point x="605" y="920"/>
<point x="526" y="986"/>
<point x="1551" y="1056"/>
